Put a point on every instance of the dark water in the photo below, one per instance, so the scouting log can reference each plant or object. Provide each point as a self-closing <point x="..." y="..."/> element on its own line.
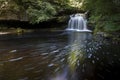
<point x="58" y="55"/>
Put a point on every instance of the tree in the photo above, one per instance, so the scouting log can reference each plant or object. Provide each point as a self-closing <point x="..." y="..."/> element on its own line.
<point x="41" y="10"/>
<point x="104" y="13"/>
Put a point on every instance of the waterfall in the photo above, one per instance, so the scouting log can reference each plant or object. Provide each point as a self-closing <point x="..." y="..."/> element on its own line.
<point x="77" y="23"/>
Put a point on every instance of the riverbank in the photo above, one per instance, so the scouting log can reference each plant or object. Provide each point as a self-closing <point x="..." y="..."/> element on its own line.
<point x="19" y="27"/>
<point x="14" y="31"/>
<point x="2" y="33"/>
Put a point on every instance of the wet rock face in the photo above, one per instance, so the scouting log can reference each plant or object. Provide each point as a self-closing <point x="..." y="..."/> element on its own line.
<point x="13" y="16"/>
<point x="9" y="10"/>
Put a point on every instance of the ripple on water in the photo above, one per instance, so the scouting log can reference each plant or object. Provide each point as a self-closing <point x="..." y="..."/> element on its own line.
<point x="13" y="51"/>
<point x="25" y="78"/>
<point x="28" y="69"/>
<point x="50" y="65"/>
<point x="43" y="54"/>
<point x="15" y="59"/>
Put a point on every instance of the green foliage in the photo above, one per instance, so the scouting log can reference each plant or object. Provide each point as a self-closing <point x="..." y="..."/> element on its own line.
<point x="104" y="13"/>
<point x="36" y="10"/>
<point x="110" y="26"/>
<point x="41" y="12"/>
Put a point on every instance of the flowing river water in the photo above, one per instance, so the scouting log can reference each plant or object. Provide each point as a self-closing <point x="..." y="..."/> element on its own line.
<point x="58" y="55"/>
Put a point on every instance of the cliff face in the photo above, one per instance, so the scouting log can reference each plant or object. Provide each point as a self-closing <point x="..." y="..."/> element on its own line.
<point x="35" y="11"/>
<point x="9" y="15"/>
<point x="9" y="10"/>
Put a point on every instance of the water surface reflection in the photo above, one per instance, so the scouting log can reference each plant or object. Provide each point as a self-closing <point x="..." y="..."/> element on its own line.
<point x="58" y="55"/>
<point x="78" y="43"/>
<point x="93" y="57"/>
<point x="31" y="56"/>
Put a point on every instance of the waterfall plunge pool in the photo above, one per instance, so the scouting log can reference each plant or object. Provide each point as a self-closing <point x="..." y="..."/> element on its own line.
<point x="58" y="55"/>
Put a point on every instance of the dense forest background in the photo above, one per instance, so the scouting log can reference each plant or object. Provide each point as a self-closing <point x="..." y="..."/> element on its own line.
<point x="104" y="15"/>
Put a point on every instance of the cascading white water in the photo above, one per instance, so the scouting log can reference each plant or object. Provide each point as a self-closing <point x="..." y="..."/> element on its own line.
<point x="77" y="23"/>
